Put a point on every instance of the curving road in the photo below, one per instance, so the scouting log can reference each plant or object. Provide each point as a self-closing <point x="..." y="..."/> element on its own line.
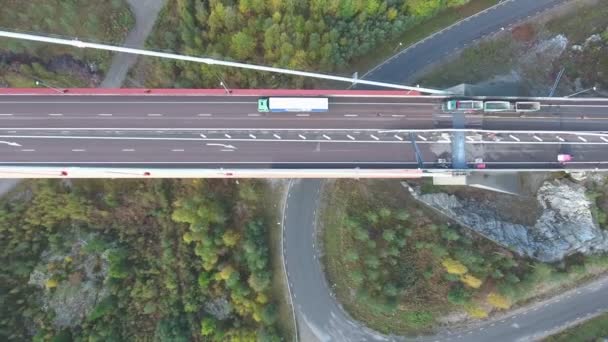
<point x="403" y="66"/>
<point x="321" y="318"/>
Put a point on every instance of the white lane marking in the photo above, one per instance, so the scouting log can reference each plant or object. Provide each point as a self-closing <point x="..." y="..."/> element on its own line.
<point x="128" y="150"/>
<point x="302" y="114"/>
<point x="537" y="138"/>
<point x="105" y="114"/>
<point x="155" y="115"/>
<point x="514" y="137"/>
<point x="606" y="140"/>
<point x="470" y="139"/>
<point x="351" y="115"/>
<point x="326" y="137"/>
<point x="78" y="150"/>
<point x="221" y="145"/>
<point x="226" y="150"/>
<point x="398" y="115"/>
<point x="28" y="150"/>
<point x="228" y="136"/>
<point x="560" y="138"/>
<point x="423" y="138"/>
<point x="350" y="137"/>
<point x="203" y="136"/>
<point x="374" y="137"/>
<point x="204" y="114"/>
<point x="302" y="137"/>
<point x="582" y="139"/>
<point x="254" y="114"/>
<point x="398" y="137"/>
<point x="10" y="143"/>
<point x="55" y="114"/>
<point x="6" y="114"/>
<point x="177" y="150"/>
<point x="276" y="136"/>
<point x="252" y="136"/>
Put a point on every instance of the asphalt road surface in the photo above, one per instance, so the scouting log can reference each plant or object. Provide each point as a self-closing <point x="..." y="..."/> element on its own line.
<point x="157" y="112"/>
<point x="403" y="66"/>
<point x="320" y="317"/>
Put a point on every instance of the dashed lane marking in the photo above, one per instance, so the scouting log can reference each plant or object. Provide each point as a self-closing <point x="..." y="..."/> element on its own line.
<point x="78" y="150"/>
<point x="302" y="137"/>
<point x="350" y="137"/>
<point x="302" y="114"/>
<point x="538" y="138"/>
<point x="155" y="115"/>
<point x="276" y="136"/>
<point x="514" y="137"/>
<point x="560" y="138"/>
<point x="374" y="137"/>
<point x="351" y="115"/>
<point x="252" y="136"/>
<point x="28" y="150"/>
<point x="104" y="114"/>
<point x="178" y="150"/>
<point x="326" y="137"/>
<point x="55" y="114"/>
<point x="228" y="136"/>
<point x="205" y="114"/>
<point x="582" y="139"/>
<point x="398" y="137"/>
<point x="254" y="114"/>
<point x="128" y="150"/>
<point x="6" y="114"/>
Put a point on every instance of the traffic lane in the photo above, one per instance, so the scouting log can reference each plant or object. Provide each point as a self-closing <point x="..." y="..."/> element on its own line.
<point x="536" y="153"/>
<point x="310" y="121"/>
<point x="96" y="99"/>
<point x="554" y="314"/>
<point x="545" y="124"/>
<point x="175" y="109"/>
<point x="37" y="150"/>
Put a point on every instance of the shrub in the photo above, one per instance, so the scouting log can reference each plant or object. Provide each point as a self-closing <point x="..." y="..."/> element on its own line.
<point x="498" y="301"/>
<point x="454" y="266"/>
<point x="471" y="281"/>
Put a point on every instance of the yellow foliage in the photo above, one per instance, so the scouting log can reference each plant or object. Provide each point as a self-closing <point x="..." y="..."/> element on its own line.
<point x="261" y="298"/>
<point x="471" y="281"/>
<point x="226" y="272"/>
<point x="454" y="266"/>
<point x="187" y="237"/>
<point x="475" y="311"/>
<point x="391" y="14"/>
<point x="230" y="238"/>
<point x="68" y="259"/>
<point x="51" y="283"/>
<point x="498" y="301"/>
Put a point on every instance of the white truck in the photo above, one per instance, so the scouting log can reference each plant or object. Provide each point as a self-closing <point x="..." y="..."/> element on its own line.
<point x="293" y="104"/>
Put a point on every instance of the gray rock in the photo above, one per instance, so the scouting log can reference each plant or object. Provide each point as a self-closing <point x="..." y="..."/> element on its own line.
<point x="564" y="227"/>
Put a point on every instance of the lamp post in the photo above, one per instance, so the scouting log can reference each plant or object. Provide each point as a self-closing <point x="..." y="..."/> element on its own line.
<point x="40" y="83"/>
<point x="225" y="88"/>
<point x="582" y="91"/>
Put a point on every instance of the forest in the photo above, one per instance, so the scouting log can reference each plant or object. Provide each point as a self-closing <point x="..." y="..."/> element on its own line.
<point x="126" y="260"/>
<point x="400" y="268"/>
<point x="319" y="35"/>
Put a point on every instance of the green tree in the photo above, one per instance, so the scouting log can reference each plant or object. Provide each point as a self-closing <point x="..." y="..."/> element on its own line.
<point x="243" y="46"/>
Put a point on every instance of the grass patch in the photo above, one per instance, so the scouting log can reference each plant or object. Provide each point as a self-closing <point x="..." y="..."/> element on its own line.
<point x="489" y="58"/>
<point x="418" y="32"/>
<point x="593" y="330"/>
<point x="273" y="198"/>
<point x="101" y="21"/>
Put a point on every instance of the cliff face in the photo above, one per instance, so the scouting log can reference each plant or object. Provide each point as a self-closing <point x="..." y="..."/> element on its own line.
<point x="565" y="225"/>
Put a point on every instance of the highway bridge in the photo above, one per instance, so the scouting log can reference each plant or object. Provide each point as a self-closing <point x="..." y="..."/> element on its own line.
<point x="202" y="131"/>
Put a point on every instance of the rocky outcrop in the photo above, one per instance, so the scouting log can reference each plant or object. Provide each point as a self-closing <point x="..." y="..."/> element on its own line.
<point x="565" y="225"/>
